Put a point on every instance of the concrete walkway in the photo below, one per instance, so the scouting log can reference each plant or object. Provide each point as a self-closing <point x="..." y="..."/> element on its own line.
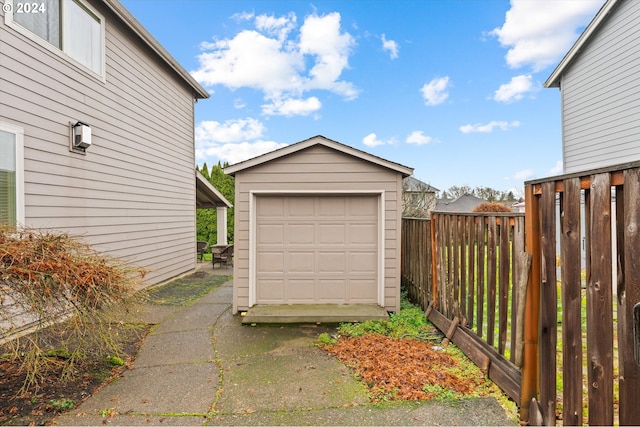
<point x="200" y="366"/>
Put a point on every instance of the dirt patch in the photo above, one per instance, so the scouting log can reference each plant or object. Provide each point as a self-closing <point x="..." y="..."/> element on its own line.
<point x="54" y="395"/>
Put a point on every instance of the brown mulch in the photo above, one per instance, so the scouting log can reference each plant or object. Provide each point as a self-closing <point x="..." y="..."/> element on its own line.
<point x="399" y="369"/>
<point x="40" y="404"/>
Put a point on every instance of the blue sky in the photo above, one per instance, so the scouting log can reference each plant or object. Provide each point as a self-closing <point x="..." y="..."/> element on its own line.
<point x="450" y="88"/>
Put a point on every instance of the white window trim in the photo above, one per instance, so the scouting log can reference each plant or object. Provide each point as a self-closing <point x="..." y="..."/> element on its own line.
<point x="253" y="232"/>
<point x="8" y="20"/>
<point x="19" y="134"/>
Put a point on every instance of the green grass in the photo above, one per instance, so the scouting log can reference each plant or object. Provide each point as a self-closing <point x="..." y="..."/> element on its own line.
<point x="184" y="291"/>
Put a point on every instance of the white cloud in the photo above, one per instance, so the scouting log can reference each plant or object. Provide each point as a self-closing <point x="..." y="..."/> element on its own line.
<point x="372" y="140"/>
<point x="232" y="141"/>
<point x="523" y="175"/>
<point x="209" y="131"/>
<point x="435" y="92"/>
<point x="292" y="107"/>
<point x="281" y="63"/>
<point x="515" y="89"/>
<point x="419" y="138"/>
<point x="488" y="127"/>
<point x="280" y="27"/>
<point x="391" y="46"/>
<point x="234" y="153"/>
<point x="539" y="32"/>
<point x="557" y="169"/>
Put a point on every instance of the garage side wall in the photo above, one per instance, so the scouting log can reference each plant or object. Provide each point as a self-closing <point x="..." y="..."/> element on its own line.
<point x="322" y="170"/>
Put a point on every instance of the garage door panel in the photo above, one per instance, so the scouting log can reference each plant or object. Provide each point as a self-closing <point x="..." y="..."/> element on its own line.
<point x="332" y="290"/>
<point x="301" y="262"/>
<point x="332" y="234"/>
<point x="271" y="207"/>
<point x="366" y="234"/>
<point x="362" y="291"/>
<point x="270" y="262"/>
<point x="271" y="291"/>
<point x="363" y="262"/>
<point x="331" y="207"/>
<point x="301" y="234"/>
<point x="321" y="249"/>
<point x="331" y="262"/>
<point x="271" y="234"/>
<point x="300" y="207"/>
<point x="300" y="290"/>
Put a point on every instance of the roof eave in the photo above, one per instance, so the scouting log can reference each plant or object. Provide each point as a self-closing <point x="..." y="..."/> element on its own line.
<point x="318" y="139"/>
<point x="125" y="16"/>
<point x="556" y="75"/>
<point x="203" y="185"/>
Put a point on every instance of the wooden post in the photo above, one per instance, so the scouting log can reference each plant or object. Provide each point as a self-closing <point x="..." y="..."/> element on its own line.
<point x="529" y="382"/>
<point x="434" y="259"/>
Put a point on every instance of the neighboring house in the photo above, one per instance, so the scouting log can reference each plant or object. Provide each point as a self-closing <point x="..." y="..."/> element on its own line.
<point x="418" y="198"/>
<point x="465" y="203"/>
<point x="599" y="82"/>
<point x="97" y="132"/>
<point x="317" y="222"/>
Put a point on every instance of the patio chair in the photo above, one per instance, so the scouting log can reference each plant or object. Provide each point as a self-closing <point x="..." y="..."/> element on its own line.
<point x="222" y="254"/>
<point x="201" y="248"/>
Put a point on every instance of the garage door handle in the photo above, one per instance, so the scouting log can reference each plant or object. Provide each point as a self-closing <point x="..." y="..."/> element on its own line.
<point x="636" y="332"/>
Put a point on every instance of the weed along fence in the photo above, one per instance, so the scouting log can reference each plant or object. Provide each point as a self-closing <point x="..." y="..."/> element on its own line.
<point x="458" y="267"/>
<point x="547" y="304"/>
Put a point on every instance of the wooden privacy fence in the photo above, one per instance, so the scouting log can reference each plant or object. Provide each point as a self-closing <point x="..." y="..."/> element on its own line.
<point x="583" y="232"/>
<point x="548" y="304"/>
<point x="459" y="268"/>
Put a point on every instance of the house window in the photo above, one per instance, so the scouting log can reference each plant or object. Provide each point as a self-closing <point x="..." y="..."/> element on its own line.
<point x="67" y="25"/>
<point x="11" y="175"/>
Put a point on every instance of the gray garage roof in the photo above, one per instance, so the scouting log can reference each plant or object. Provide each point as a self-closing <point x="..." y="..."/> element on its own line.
<point x="317" y="140"/>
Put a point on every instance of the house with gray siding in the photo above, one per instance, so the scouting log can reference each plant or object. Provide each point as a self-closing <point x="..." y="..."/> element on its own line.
<point x="599" y="82"/>
<point x="97" y="132"/>
<point x="317" y="223"/>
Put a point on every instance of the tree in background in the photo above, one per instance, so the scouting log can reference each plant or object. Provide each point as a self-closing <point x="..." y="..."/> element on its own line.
<point x="207" y="219"/>
<point x="486" y="193"/>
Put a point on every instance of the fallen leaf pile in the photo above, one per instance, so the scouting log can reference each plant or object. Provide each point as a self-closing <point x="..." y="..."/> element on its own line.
<point x="402" y="369"/>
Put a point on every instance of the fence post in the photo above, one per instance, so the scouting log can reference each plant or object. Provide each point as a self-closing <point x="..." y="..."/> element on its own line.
<point x="529" y="384"/>
<point x="434" y="260"/>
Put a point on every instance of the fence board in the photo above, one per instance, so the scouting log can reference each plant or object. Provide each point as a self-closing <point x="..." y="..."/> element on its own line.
<point x="491" y="280"/>
<point x="462" y="231"/>
<point x="628" y="294"/>
<point x="471" y="275"/>
<point x="504" y="284"/>
<point x="481" y="245"/>
<point x="548" y="300"/>
<point x="571" y="303"/>
<point x="599" y="305"/>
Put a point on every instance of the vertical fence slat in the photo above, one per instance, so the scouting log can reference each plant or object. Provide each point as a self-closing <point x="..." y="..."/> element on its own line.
<point x="480" y="236"/>
<point x="504" y="284"/>
<point x="455" y="247"/>
<point x="571" y="303"/>
<point x="548" y="303"/>
<point x="471" y="271"/>
<point x="462" y="230"/>
<point x="491" y="280"/>
<point x="599" y="305"/>
<point x="629" y="295"/>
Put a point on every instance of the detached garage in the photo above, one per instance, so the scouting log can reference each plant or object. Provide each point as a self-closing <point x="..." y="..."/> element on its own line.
<point x="317" y="224"/>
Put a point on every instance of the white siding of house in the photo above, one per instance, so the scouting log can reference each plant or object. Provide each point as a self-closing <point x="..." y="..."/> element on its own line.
<point x="601" y="95"/>
<point x="323" y="170"/>
<point x="133" y="193"/>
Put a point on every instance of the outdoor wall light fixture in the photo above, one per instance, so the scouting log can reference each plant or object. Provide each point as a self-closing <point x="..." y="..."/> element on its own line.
<point x="80" y="136"/>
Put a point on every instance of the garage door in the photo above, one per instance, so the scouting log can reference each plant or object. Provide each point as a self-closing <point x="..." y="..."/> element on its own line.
<point x="316" y="249"/>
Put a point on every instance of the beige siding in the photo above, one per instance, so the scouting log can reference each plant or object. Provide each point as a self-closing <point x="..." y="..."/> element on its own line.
<point x="133" y="194"/>
<point x="322" y="170"/>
